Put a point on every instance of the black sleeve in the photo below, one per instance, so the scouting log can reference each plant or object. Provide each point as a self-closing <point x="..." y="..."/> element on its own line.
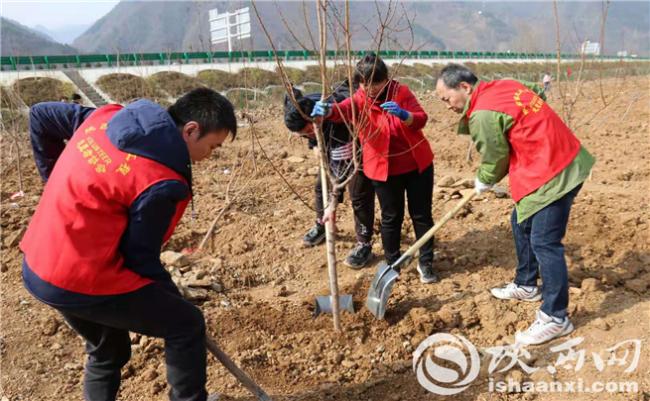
<point x="50" y="125"/>
<point x="149" y="218"/>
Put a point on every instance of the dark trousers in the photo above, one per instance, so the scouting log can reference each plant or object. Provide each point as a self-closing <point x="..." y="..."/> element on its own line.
<point x="362" y="195"/>
<point x="538" y="241"/>
<point x="156" y="310"/>
<point x="418" y="188"/>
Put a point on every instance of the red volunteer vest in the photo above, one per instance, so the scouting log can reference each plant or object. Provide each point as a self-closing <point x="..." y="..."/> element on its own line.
<point x="73" y="238"/>
<point x="541" y="145"/>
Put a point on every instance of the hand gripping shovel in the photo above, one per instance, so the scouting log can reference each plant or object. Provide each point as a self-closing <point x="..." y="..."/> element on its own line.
<point x="381" y="285"/>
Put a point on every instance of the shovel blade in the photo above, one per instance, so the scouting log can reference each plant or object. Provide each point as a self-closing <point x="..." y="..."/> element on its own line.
<point x="324" y="304"/>
<point x="380" y="289"/>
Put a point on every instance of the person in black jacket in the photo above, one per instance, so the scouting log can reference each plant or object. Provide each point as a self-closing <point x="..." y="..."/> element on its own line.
<point x="338" y="142"/>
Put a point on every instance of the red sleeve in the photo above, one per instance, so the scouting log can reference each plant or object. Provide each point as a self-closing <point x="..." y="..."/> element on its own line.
<point x="341" y="111"/>
<point x="411" y="104"/>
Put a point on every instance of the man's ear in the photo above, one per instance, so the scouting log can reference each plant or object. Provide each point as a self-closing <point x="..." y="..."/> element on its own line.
<point x="467" y="87"/>
<point x="189" y="129"/>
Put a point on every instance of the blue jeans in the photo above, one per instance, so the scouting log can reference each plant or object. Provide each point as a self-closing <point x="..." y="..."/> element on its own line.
<point x="538" y="241"/>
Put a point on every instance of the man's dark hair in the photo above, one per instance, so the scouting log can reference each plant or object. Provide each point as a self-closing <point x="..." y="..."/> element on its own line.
<point x="76" y="96"/>
<point x="292" y="117"/>
<point x="453" y="74"/>
<point x="211" y="110"/>
<point x="370" y="69"/>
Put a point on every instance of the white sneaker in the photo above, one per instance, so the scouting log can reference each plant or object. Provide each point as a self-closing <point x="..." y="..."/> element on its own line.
<point x="427" y="276"/>
<point x="520" y="292"/>
<point x="545" y="328"/>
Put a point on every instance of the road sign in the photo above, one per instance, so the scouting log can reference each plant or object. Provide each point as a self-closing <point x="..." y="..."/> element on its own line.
<point x="591" y="48"/>
<point x="227" y="26"/>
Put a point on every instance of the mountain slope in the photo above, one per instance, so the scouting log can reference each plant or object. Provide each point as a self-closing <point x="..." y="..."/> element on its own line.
<point x="18" y="40"/>
<point x="136" y="26"/>
<point x="65" y="34"/>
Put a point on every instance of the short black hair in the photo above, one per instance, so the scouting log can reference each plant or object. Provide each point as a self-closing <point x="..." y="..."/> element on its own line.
<point x="370" y="69"/>
<point x="211" y="110"/>
<point x="76" y="96"/>
<point x="292" y="117"/>
<point x="453" y="74"/>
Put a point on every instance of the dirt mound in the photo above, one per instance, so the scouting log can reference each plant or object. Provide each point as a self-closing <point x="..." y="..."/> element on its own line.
<point x="246" y="98"/>
<point x="254" y="78"/>
<point x="275" y="93"/>
<point x="217" y="79"/>
<point x="416" y="70"/>
<point x="295" y="75"/>
<point x="125" y="88"/>
<point x="335" y="74"/>
<point x="33" y="90"/>
<point x="174" y="83"/>
<point x="257" y="78"/>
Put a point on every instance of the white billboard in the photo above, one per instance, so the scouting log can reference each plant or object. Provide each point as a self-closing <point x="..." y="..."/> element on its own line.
<point x="591" y="48"/>
<point x="227" y="26"/>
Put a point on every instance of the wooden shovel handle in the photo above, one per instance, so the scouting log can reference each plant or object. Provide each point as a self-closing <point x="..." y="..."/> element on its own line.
<point x="429" y="234"/>
<point x="243" y="378"/>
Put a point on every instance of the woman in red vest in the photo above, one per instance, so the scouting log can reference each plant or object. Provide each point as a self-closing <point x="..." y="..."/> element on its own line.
<point x="113" y="197"/>
<point x="518" y="134"/>
<point x="396" y="155"/>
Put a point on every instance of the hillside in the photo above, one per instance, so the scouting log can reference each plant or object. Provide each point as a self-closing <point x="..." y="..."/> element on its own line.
<point x="18" y="40"/>
<point x="134" y="26"/>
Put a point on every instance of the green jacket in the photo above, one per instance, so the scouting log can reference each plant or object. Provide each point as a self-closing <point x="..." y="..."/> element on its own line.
<point x="489" y="131"/>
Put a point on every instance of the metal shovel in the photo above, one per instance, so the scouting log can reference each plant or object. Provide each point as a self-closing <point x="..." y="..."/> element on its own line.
<point x="386" y="275"/>
<point x="324" y="304"/>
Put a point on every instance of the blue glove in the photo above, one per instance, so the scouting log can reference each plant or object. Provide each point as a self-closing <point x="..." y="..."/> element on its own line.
<point x="395" y="110"/>
<point x="321" y="109"/>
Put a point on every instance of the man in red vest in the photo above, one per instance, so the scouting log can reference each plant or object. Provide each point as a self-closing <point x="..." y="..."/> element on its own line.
<point x="113" y="196"/>
<point x="517" y="133"/>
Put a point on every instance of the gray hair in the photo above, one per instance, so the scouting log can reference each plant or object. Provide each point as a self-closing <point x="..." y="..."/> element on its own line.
<point x="453" y="74"/>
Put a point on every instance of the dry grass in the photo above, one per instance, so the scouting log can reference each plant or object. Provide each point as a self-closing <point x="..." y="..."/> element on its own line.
<point x="296" y="75"/>
<point x="217" y="79"/>
<point x="41" y="89"/>
<point x="257" y="78"/>
<point x="174" y="83"/>
<point x="125" y="88"/>
<point x="243" y="98"/>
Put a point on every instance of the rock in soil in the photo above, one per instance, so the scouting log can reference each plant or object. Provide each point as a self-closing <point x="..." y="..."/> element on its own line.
<point x="50" y="327"/>
<point x="636" y="285"/>
<point x="171" y="258"/>
<point x="14" y="238"/>
<point x="295" y="159"/>
<point x="590" y="285"/>
<point x="446" y="182"/>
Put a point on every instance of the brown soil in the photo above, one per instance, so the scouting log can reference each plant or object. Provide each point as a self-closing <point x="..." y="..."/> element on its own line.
<point x="263" y="316"/>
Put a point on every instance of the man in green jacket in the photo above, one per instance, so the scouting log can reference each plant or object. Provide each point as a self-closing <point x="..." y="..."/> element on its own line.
<point x="517" y="133"/>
